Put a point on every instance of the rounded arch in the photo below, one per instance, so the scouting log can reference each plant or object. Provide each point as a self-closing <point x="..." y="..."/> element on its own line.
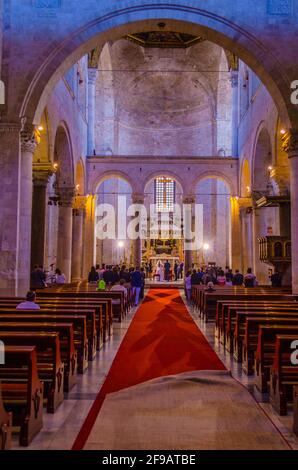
<point x="139" y="17"/>
<point x="262" y="159"/>
<point x="215" y="175"/>
<point x="80" y="177"/>
<point x="245" y="179"/>
<point x="63" y="156"/>
<point x="109" y="175"/>
<point x="42" y="152"/>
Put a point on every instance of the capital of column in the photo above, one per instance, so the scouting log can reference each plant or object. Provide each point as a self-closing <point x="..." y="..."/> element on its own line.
<point x="41" y="174"/>
<point x="137" y="198"/>
<point x="28" y="138"/>
<point x="92" y="75"/>
<point x="245" y="202"/>
<point x="281" y="176"/>
<point x="66" y="196"/>
<point x="290" y="143"/>
<point x="80" y="203"/>
<point x="189" y="199"/>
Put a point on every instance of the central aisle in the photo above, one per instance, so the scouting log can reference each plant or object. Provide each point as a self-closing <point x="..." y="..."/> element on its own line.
<point x="144" y="403"/>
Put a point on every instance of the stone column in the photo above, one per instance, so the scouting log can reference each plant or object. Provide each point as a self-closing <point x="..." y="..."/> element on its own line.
<point x="28" y="146"/>
<point x="77" y="238"/>
<point x="40" y="181"/>
<point x="188" y="252"/>
<point x="64" y="250"/>
<point x="235" y="233"/>
<point x="290" y="145"/>
<point x="89" y="238"/>
<point x="234" y="85"/>
<point x="16" y="154"/>
<point x="137" y="243"/>
<point x="92" y="76"/>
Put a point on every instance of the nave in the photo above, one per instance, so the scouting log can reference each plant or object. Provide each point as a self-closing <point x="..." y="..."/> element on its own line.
<point x="168" y="388"/>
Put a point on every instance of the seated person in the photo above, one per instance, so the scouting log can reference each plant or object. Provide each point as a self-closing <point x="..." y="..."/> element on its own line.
<point x="29" y="304"/>
<point x="119" y="288"/>
<point x="59" y="277"/>
<point x="210" y="287"/>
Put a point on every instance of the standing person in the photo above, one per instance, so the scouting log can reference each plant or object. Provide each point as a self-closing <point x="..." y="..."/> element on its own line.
<point x="237" y="278"/>
<point x="276" y="279"/>
<point x="136" y="283"/>
<point x="101" y="271"/>
<point x="108" y="276"/>
<point x="38" y="278"/>
<point x="176" y="265"/>
<point x="221" y="279"/>
<point x="167" y="269"/>
<point x="250" y="279"/>
<point x="188" y="285"/>
<point x="93" y="275"/>
<point x="181" y="269"/>
<point x="29" y="304"/>
<point x="143" y="283"/>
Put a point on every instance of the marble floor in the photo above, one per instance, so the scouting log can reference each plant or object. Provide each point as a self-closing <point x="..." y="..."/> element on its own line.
<point x="60" y="430"/>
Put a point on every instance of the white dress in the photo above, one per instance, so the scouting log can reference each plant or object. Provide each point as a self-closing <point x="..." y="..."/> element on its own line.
<point x="160" y="272"/>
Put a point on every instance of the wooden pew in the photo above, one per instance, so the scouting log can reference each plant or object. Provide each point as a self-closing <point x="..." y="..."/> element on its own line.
<point x="210" y="299"/>
<point x="92" y="295"/>
<point x="93" y="324"/>
<point x="241" y="324"/>
<point x="49" y="364"/>
<point x="66" y="336"/>
<point x="264" y="355"/>
<point x="232" y="320"/>
<point x="5" y="426"/>
<point x="22" y="391"/>
<point x="102" y="306"/>
<point x="47" y="316"/>
<point x="284" y="375"/>
<point x="230" y="306"/>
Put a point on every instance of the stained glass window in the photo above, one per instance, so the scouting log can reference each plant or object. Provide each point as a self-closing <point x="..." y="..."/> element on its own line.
<point x="165" y="194"/>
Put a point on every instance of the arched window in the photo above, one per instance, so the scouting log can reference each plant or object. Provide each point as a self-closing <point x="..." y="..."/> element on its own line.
<point x="164" y="194"/>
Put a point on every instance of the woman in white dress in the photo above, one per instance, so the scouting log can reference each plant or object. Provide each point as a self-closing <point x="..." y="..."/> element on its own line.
<point x="160" y="271"/>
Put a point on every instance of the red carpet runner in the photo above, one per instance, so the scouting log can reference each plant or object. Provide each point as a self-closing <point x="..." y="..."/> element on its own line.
<point x="161" y="340"/>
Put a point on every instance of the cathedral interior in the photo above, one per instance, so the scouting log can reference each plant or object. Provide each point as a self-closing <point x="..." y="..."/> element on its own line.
<point x="157" y="107"/>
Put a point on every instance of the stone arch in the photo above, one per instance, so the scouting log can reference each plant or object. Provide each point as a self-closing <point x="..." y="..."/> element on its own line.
<point x="245" y="179"/>
<point x="112" y="174"/>
<point x="43" y="152"/>
<point x="80" y="177"/>
<point x="218" y="175"/>
<point x="262" y="159"/>
<point x="63" y="156"/>
<point x="115" y="23"/>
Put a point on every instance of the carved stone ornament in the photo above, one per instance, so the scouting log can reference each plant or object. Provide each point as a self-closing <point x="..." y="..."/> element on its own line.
<point x="137" y="198"/>
<point x="28" y="138"/>
<point x="290" y="142"/>
<point x="190" y="199"/>
<point x="66" y="196"/>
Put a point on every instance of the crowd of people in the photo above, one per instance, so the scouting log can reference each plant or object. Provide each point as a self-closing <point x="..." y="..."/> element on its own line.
<point x="119" y="278"/>
<point x="40" y="279"/>
<point x="216" y="276"/>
